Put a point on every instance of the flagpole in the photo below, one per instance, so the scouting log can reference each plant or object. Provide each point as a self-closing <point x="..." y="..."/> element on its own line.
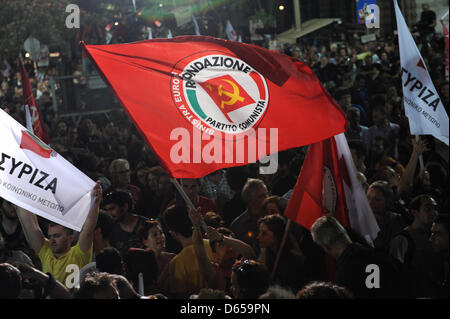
<point x="182" y="193"/>
<point x="187" y="200"/>
<point x="420" y="156"/>
<point x="283" y="242"/>
<point x="445" y="15"/>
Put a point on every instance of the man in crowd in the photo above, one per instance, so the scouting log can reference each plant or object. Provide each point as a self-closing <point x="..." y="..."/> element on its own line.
<point x="413" y="248"/>
<point x="56" y="252"/>
<point x="245" y="226"/>
<point x="119" y="205"/>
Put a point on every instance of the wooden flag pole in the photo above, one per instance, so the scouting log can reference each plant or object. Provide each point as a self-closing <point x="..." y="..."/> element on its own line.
<point x="280" y="250"/>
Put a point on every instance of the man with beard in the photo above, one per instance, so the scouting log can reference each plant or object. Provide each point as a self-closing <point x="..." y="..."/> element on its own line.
<point x="119" y="205"/>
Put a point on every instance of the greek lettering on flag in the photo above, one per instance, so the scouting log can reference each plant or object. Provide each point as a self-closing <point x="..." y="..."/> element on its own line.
<point x="423" y="106"/>
<point x="36" y="178"/>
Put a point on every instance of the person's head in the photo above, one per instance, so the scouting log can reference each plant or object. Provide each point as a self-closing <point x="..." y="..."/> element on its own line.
<point x="324" y="61"/>
<point x="323" y="290"/>
<point x="11" y="281"/>
<point x="141" y="175"/>
<point x="192" y="187"/>
<point x="379" y="114"/>
<point x="425" y="210"/>
<point x="273" y="205"/>
<point x="329" y="234"/>
<point x="117" y="204"/>
<point x="151" y="235"/>
<point x="153" y="176"/>
<point x="425" y="6"/>
<point x="60" y="238"/>
<point x="358" y="150"/>
<point x="216" y="176"/>
<point x="277" y="292"/>
<point x="354" y="117"/>
<point x="345" y="99"/>
<point x="224" y="255"/>
<point x="103" y="229"/>
<point x="165" y="186"/>
<point x="381" y="197"/>
<point x="61" y="128"/>
<point x="271" y="230"/>
<point x="97" y="286"/>
<point x="439" y="234"/>
<point x="213" y="219"/>
<point x="388" y="174"/>
<point x="208" y="293"/>
<point x="253" y="194"/>
<point x="119" y="170"/>
<point x="178" y="223"/>
<point x="141" y="261"/>
<point x="249" y="279"/>
<point x="379" y="146"/>
<point x="109" y="260"/>
<point x="8" y="209"/>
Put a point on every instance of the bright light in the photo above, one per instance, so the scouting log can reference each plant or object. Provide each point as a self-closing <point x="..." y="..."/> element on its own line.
<point x="116" y="23"/>
<point x="27" y="55"/>
<point x="160" y="5"/>
<point x="281" y="7"/>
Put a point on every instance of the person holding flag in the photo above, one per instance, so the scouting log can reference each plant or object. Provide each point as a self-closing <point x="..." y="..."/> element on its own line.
<point x="55" y="252"/>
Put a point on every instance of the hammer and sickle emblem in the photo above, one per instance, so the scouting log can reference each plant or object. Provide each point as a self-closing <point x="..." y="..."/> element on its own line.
<point x="234" y="97"/>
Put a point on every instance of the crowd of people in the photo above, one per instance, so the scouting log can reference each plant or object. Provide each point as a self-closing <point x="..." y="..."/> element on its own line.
<point x="141" y="240"/>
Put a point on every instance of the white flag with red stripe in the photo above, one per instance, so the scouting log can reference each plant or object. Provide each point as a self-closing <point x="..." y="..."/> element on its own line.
<point x="423" y="106"/>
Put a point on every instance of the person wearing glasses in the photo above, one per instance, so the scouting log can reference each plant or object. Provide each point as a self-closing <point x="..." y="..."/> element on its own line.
<point x="120" y="174"/>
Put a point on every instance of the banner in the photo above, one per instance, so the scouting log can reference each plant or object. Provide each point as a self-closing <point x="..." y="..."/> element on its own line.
<point x="423" y="106"/>
<point x="36" y="178"/>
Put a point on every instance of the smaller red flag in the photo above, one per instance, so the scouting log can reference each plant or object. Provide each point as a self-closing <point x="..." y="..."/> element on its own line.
<point x="319" y="189"/>
<point x="39" y="128"/>
<point x="327" y="185"/>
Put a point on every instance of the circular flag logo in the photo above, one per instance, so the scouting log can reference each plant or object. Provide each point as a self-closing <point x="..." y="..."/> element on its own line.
<point x="219" y="92"/>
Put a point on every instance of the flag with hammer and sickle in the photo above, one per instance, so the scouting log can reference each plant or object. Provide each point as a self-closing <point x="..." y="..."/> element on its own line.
<point x="227" y="94"/>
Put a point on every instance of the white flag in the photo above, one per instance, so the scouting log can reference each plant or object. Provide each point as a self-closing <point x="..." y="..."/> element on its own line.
<point x="36" y="178"/>
<point x="360" y="213"/>
<point x="423" y="106"/>
<point x="28" y="119"/>
<point x="196" y="27"/>
<point x="231" y="34"/>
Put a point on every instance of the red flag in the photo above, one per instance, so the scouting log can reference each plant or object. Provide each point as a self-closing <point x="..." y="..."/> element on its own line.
<point x="37" y="122"/>
<point x="446" y="49"/>
<point x="327" y="184"/>
<point x="180" y="88"/>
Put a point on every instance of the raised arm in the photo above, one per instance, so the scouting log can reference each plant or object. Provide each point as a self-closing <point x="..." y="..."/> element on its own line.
<point x="87" y="232"/>
<point x="407" y="179"/>
<point x="33" y="233"/>
<point x="237" y="245"/>
<point x="197" y="240"/>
